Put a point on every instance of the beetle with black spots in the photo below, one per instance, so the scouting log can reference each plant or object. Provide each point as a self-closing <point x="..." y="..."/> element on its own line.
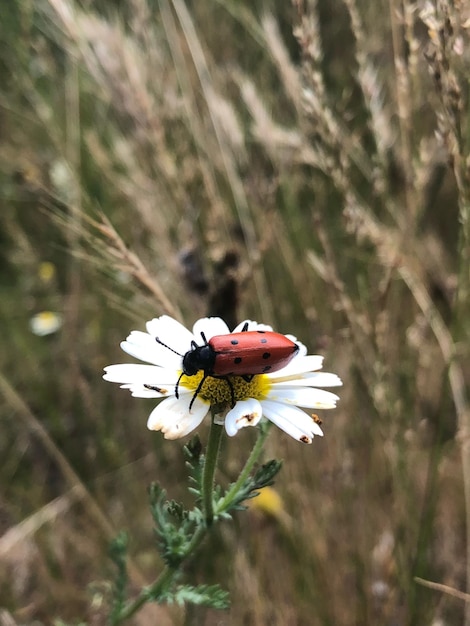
<point x="245" y="354"/>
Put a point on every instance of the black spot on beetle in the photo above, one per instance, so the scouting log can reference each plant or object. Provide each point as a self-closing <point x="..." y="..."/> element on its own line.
<point x="264" y="340"/>
<point x="234" y="342"/>
<point x="237" y="359"/>
<point x="261" y="332"/>
<point x="266" y="368"/>
<point x="267" y="355"/>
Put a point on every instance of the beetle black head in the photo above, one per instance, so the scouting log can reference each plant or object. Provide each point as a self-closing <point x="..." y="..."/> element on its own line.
<point x="199" y="358"/>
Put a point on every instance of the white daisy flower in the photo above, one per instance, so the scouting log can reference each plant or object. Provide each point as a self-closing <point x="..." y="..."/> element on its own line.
<point x="45" y="323"/>
<point x="247" y="377"/>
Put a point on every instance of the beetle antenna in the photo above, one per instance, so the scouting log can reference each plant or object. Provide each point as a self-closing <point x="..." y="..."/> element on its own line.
<point x="166" y="346"/>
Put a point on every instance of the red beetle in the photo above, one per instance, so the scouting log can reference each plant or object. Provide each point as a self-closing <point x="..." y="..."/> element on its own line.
<point x="244" y="354"/>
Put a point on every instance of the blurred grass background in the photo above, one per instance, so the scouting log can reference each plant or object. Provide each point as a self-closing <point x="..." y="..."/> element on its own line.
<point x="304" y="165"/>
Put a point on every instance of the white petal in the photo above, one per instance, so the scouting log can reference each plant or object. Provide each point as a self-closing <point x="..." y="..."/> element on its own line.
<point x="171" y="332"/>
<point x="299" y="365"/>
<point x="143" y="374"/>
<point x="173" y="418"/>
<point x="307" y="397"/>
<point x="244" y="413"/>
<point x="251" y="326"/>
<point x="210" y="326"/>
<point x="311" y="379"/>
<point x="144" y="347"/>
<point x="140" y="391"/>
<point x="291" y="420"/>
<point x="302" y="348"/>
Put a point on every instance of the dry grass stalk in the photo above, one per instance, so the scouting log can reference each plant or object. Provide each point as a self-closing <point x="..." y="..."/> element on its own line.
<point x="372" y="91"/>
<point x="445" y="23"/>
<point x="78" y="493"/>
<point x="404" y="100"/>
<point x="455" y="593"/>
<point x="229" y="164"/>
<point x="128" y="261"/>
<point x="290" y="77"/>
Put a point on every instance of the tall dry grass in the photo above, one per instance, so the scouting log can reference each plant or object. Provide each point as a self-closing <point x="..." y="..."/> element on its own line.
<point x="306" y="166"/>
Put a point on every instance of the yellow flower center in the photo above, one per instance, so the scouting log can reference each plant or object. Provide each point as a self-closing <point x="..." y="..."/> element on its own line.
<point x="219" y="390"/>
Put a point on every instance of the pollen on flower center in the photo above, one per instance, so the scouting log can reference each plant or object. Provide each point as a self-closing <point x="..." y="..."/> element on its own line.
<point x="219" y="390"/>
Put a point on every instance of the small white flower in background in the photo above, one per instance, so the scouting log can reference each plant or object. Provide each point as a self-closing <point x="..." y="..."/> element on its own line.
<point x="45" y="323"/>
<point x="245" y="400"/>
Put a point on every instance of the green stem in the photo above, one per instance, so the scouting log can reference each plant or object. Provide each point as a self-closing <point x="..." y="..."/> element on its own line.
<point x="169" y="573"/>
<point x="252" y="459"/>
<point x="210" y="463"/>
<point x="164" y="580"/>
<point x="154" y="590"/>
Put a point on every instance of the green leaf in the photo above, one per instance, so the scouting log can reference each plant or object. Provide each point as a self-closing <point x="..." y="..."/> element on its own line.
<point x="212" y="596"/>
<point x="264" y="477"/>
<point x="174" y="525"/>
<point x="176" y="510"/>
<point x="195" y="465"/>
<point x="193" y="449"/>
<point x="118" y="554"/>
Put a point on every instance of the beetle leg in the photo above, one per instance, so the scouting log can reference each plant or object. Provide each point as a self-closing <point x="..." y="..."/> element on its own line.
<point x="245" y="327"/>
<point x="248" y="377"/>
<point x="196" y="393"/>
<point x="178" y="384"/>
<point x="232" y="391"/>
